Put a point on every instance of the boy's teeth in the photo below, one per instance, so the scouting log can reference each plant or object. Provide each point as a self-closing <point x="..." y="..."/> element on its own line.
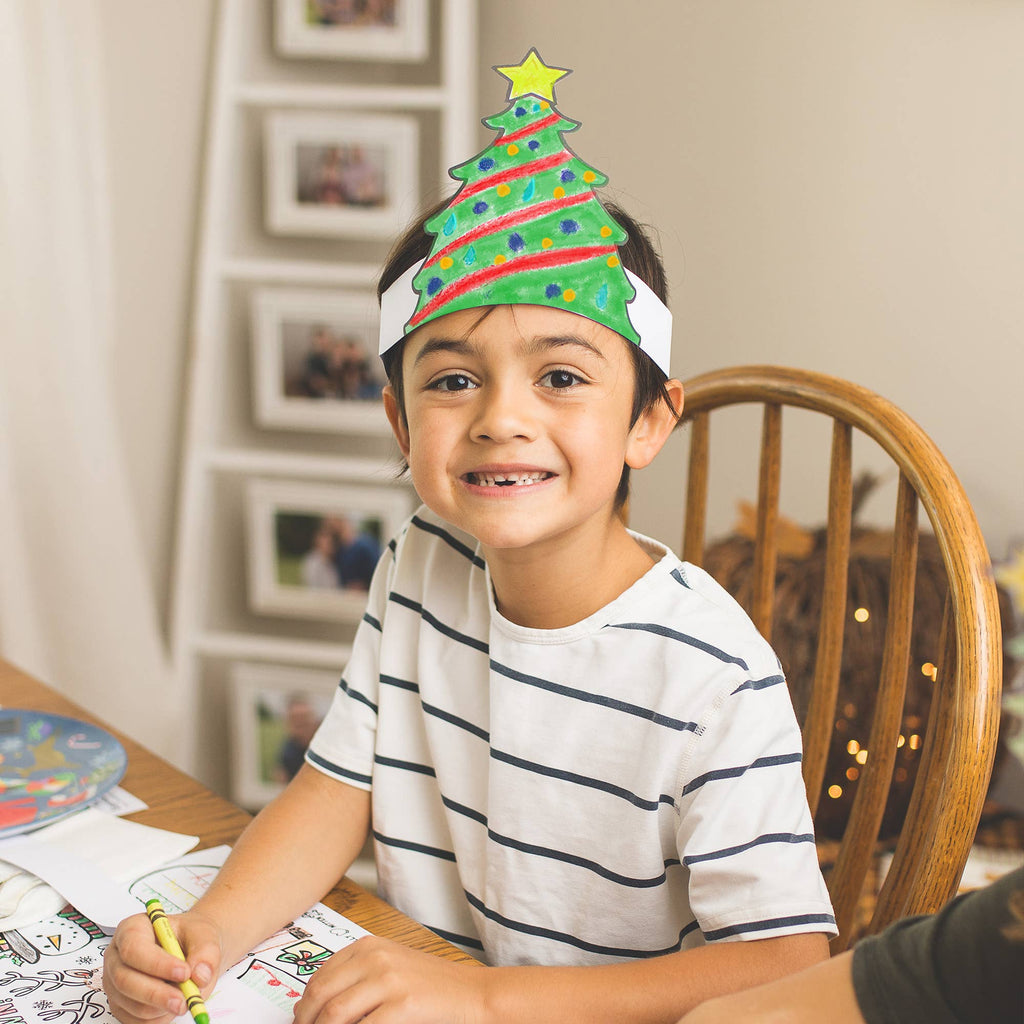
<point x="507" y="480"/>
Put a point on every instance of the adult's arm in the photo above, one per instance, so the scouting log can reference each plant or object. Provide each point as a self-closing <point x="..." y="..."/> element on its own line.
<point x="821" y="993"/>
<point x="964" y="963"/>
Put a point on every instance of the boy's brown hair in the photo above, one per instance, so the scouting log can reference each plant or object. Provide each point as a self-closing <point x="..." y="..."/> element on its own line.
<point x="637" y="254"/>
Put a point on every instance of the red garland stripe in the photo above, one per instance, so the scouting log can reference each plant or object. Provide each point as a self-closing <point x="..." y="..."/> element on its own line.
<point x="520" y="264"/>
<point x="510" y="220"/>
<point x="537" y="126"/>
<point x="545" y="163"/>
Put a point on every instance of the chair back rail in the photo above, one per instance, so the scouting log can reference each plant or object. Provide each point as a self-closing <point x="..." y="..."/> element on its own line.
<point x="821" y="711"/>
<point x="960" y="738"/>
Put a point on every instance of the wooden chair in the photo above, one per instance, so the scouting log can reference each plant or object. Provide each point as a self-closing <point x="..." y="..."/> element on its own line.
<point x="959" y="743"/>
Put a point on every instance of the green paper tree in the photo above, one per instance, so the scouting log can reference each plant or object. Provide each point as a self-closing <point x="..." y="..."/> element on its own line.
<point x="526" y="226"/>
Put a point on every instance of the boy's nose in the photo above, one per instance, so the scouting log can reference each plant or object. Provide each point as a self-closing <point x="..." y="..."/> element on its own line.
<point x="504" y="415"/>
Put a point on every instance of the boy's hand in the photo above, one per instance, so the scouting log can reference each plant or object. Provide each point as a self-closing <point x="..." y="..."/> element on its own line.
<point x="141" y="979"/>
<point x="388" y="983"/>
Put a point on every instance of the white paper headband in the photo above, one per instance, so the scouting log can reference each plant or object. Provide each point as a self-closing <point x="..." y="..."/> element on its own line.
<point x="650" y="317"/>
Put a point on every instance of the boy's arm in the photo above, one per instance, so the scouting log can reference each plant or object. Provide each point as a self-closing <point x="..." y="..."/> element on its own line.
<point x="402" y="985"/>
<point x="289" y="856"/>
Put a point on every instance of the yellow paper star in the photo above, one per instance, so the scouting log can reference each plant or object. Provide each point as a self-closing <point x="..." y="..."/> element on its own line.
<point x="533" y="76"/>
<point x="1011" y="575"/>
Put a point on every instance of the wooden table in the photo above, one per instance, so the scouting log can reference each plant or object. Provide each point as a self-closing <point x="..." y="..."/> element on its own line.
<point x="179" y="803"/>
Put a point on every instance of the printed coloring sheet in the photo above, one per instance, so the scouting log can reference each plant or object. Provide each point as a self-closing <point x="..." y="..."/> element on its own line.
<point x="51" y="971"/>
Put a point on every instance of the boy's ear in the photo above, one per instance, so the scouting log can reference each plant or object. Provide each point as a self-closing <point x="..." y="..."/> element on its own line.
<point x="398" y="425"/>
<point x="653" y="427"/>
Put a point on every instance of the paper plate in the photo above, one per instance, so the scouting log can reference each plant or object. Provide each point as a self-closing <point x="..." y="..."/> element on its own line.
<point x="52" y="766"/>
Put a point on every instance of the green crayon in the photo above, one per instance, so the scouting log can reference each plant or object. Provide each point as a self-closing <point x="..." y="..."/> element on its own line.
<point x="165" y="936"/>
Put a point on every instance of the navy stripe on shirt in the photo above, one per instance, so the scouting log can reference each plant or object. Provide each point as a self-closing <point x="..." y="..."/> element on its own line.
<point x="406" y="766"/>
<point x="455" y="937"/>
<point x="371" y="621"/>
<point x="356" y="695"/>
<point x="735" y="773"/>
<point x="401" y="684"/>
<point x="768" y="838"/>
<point x="582" y="780"/>
<point x="683" y="638"/>
<point x="759" y="684"/>
<point x="455" y="545"/>
<point x="574" y="940"/>
<point x="560" y="855"/>
<point x="454" y="634"/>
<point x="773" y="922"/>
<point x="436" y="712"/>
<point x="335" y="769"/>
<point x="594" y="698"/>
<point x="406" y="844"/>
<point x="461" y="723"/>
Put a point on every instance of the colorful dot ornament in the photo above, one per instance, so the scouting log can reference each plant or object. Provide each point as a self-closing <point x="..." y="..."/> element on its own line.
<point x="526" y="225"/>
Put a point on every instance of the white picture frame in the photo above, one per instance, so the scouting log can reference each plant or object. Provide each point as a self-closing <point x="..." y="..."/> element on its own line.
<point x="312" y="546"/>
<point x="272" y="705"/>
<point x="394" y="30"/>
<point x="340" y="175"/>
<point x="315" y="362"/>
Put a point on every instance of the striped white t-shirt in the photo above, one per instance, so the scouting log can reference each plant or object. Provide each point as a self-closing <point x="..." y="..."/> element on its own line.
<point x="624" y="787"/>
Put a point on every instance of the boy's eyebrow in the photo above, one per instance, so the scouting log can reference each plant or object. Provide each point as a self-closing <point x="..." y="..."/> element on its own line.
<point x="457" y="345"/>
<point x="460" y="346"/>
<point x="539" y="344"/>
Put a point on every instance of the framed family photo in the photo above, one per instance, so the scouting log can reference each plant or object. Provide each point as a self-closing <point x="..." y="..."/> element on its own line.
<point x="315" y="362"/>
<point x="275" y="709"/>
<point x="313" y="546"/>
<point x="340" y="174"/>
<point x="353" y="29"/>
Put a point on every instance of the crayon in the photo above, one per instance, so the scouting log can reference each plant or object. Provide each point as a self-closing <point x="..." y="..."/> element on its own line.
<point x="165" y="936"/>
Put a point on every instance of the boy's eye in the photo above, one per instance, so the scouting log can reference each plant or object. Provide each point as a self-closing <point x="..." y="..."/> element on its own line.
<point x="452" y="382"/>
<point x="561" y="379"/>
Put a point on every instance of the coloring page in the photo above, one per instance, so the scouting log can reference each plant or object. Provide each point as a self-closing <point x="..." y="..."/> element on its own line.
<point x="51" y="971"/>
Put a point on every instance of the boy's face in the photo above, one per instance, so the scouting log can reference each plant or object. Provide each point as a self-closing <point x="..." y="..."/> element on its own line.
<point x="517" y="424"/>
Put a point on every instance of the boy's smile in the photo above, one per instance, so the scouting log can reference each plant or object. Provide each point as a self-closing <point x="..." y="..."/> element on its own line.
<point x="516" y="430"/>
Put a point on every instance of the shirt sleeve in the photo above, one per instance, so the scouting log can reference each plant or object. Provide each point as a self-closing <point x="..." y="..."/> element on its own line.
<point x="343" y="746"/>
<point x="745" y="831"/>
<point x="956" y="966"/>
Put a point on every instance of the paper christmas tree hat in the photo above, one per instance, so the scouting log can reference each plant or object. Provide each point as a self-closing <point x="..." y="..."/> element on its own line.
<point x="527" y="227"/>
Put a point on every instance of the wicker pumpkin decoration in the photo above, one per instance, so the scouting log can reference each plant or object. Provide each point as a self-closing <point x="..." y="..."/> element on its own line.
<point x="799" y="585"/>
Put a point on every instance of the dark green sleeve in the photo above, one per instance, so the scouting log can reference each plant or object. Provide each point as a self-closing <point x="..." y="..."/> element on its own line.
<point x="955" y="966"/>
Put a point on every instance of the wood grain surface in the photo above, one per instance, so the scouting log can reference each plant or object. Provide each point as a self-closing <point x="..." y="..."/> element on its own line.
<point x="181" y="804"/>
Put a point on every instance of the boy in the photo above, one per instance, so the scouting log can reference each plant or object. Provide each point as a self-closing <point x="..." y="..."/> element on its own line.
<point x="581" y="753"/>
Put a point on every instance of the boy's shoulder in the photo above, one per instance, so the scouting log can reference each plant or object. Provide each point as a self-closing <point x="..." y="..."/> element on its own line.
<point x="689" y="600"/>
<point x="426" y="542"/>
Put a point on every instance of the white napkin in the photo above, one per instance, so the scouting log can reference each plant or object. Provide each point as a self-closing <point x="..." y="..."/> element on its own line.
<point x="91" y="858"/>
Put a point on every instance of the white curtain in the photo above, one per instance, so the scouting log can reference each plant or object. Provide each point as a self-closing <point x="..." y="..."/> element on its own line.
<point x="76" y="602"/>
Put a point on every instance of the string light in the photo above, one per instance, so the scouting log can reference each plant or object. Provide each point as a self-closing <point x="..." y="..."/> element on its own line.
<point x="862" y="615"/>
<point x="862" y="757"/>
<point x="915" y="741"/>
<point x="852" y="747"/>
<point x="852" y="774"/>
<point x="929" y="670"/>
<point x="835" y="792"/>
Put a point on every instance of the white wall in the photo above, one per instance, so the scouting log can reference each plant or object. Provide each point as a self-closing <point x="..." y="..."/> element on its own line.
<point x="156" y="67"/>
<point x="836" y="186"/>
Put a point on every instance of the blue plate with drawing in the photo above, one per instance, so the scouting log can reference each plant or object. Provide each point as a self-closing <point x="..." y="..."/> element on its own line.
<point x="52" y="766"/>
